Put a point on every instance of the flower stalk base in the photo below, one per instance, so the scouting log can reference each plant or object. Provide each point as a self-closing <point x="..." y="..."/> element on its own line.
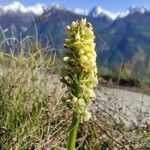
<point x="73" y="131"/>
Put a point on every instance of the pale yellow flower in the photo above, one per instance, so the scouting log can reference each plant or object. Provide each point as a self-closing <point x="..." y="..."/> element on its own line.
<point x="81" y="69"/>
<point x="81" y="52"/>
<point x="80" y="102"/>
<point x="79" y="105"/>
<point x="74" y="99"/>
<point x="83" y="59"/>
<point x="65" y="58"/>
<point x="86" y="115"/>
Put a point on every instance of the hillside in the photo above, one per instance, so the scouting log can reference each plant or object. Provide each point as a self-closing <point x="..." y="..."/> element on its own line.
<point x="121" y="40"/>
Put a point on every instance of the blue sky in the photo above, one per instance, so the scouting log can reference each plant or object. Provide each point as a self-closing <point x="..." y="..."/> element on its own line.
<point x="112" y="5"/>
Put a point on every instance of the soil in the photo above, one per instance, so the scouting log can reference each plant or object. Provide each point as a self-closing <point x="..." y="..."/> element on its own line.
<point x="128" y="106"/>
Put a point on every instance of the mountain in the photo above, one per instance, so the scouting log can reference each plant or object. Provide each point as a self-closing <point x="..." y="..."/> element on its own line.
<point x="99" y="12"/>
<point x="52" y="25"/>
<point x="127" y="37"/>
<point x="16" y="22"/>
<point x="120" y="37"/>
<point x="17" y="18"/>
<point x="141" y="10"/>
<point x="119" y="40"/>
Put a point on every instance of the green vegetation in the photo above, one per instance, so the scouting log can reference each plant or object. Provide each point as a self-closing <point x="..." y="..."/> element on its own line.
<point x="124" y="75"/>
<point x="25" y="109"/>
<point x="33" y="116"/>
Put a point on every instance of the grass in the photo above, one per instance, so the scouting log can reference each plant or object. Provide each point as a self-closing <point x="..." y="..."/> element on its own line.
<point x="124" y="76"/>
<point x="33" y="115"/>
<point x="26" y="110"/>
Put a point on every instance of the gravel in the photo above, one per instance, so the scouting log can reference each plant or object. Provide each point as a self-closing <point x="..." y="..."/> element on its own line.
<point x="127" y="106"/>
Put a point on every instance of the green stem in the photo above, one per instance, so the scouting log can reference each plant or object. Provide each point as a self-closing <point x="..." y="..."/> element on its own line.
<point x="73" y="131"/>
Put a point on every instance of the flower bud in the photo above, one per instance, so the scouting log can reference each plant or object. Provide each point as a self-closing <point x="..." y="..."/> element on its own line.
<point x="65" y="59"/>
<point x="83" y="58"/>
<point x="86" y="115"/>
<point x="80" y="102"/>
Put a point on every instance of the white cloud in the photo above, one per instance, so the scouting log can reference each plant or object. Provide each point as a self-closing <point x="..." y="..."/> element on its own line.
<point x="37" y="9"/>
<point x="76" y="10"/>
<point x="113" y="15"/>
<point x="80" y="11"/>
<point x="57" y="6"/>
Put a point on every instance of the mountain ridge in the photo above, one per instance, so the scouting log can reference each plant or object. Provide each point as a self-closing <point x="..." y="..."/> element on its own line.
<point x="96" y="11"/>
<point x="122" y="39"/>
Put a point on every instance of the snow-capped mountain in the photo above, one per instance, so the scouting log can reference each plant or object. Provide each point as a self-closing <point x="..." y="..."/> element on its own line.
<point x="141" y="9"/>
<point x="98" y="11"/>
<point x="16" y="6"/>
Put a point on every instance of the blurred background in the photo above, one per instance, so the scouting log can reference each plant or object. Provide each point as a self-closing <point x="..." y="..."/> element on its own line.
<point x="122" y="30"/>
